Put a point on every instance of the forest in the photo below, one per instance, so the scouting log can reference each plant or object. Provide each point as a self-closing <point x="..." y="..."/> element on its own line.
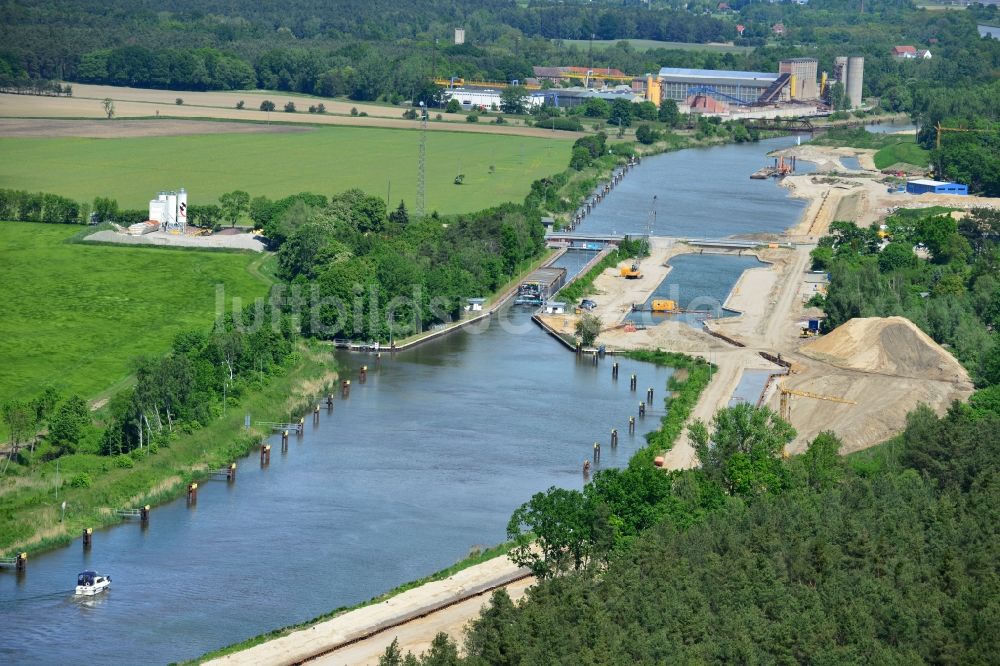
<point x="889" y="555"/>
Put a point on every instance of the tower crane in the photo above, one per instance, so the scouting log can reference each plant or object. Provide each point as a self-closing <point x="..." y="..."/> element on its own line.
<point x="786" y="400"/>
<point x="940" y="129"/>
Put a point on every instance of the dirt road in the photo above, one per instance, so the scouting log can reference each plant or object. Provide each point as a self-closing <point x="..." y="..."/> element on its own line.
<point x="424" y="611"/>
<point x="416" y="636"/>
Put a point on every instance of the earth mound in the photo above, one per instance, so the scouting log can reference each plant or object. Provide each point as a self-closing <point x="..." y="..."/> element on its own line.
<point x="891" y="346"/>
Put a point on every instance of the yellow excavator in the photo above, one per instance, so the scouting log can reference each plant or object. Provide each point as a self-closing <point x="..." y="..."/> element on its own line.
<point x="631" y="272"/>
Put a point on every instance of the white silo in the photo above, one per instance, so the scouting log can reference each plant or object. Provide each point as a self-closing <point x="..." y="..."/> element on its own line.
<point x="855" y="77"/>
<point x="182" y="202"/>
<point x="170" y="218"/>
<point x="156" y="210"/>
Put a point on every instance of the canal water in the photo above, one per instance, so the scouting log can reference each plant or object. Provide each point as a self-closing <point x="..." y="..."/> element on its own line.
<point x="700" y="193"/>
<point x="989" y="31"/>
<point x="700" y="282"/>
<point x="423" y="462"/>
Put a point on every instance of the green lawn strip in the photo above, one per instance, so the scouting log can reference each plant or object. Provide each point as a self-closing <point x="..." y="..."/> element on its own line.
<point x="89" y="483"/>
<point x="684" y="387"/>
<point x="907" y="152"/>
<point x="324" y="160"/>
<point x="472" y="560"/>
<point x="75" y="315"/>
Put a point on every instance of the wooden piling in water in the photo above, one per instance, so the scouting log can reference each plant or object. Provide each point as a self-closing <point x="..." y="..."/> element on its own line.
<point x="284" y="441"/>
<point x="345" y="388"/>
<point x="614" y="370"/>
<point x="597" y="452"/>
<point x="631" y="425"/>
<point x="316" y="415"/>
<point x="632" y="383"/>
<point x="144" y="514"/>
<point x="649" y="396"/>
<point x="231" y="473"/>
<point x="614" y="437"/>
<point x="265" y="454"/>
<point x="21" y="562"/>
<point x="301" y="428"/>
<point x="642" y="409"/>
<point x="192" y="493"/>
<point x="363" y="374"/>
<point x="329" y="402"/>
<point x="88" y="537"/>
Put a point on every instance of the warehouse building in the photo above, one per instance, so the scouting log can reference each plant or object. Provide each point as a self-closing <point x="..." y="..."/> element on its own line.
<point x="486" y="98"/>
<point x="925" y="186"/>
<point x="735" y="87"/>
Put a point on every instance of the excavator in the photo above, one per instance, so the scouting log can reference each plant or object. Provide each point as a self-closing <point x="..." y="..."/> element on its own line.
<point x="632" y="272"/>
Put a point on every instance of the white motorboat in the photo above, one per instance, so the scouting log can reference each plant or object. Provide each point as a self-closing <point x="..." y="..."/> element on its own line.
<point x="89" y="583"/>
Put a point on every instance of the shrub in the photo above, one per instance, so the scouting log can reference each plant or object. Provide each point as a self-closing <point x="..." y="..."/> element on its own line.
<point x="290" y="107"/>
<point x="81" y="480"/>
<point x="267" y="105"/>
<point x="354" y="110"/>
<point x="472" y="118"/>
<point x="124" y="462"/>
<point x="178" y="101"/>
<point x="240" y="104"/>
<point x="453" y="106"/>
<point x="321" y="108"/>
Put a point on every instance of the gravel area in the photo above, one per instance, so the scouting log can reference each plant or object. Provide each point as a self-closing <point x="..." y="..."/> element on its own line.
<point x="234" y="242"/>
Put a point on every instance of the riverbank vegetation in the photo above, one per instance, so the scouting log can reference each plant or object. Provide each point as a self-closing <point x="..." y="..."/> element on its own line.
<point x="950" y="289"/>
<point x="583" y="285"/>
<point x="95" y="485"/>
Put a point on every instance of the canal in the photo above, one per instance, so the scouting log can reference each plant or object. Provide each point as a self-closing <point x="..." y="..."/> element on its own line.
<point x="423" y="462"/>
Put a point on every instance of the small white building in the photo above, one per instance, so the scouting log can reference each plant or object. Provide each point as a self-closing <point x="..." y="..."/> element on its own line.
<point x="555" y="307"/>
<point x="486" y="98"/>
<point x="475" y="304"/>
<point x="459" y="36"/>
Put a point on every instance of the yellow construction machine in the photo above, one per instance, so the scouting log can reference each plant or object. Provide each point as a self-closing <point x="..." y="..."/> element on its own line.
<point x="786" y="400"/>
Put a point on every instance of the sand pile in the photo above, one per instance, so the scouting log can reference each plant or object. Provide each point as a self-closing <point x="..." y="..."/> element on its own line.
<point x="889" y="346"/>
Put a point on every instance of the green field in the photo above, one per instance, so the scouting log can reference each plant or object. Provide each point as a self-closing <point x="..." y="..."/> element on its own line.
<point x="649" y="44"/>
<point x="75" y="315"/>
<point x="323" y="160"/>
<point x="906" y="151"/>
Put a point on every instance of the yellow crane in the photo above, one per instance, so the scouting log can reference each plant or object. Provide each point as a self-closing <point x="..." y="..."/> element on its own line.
<point x="940" y="129"/>
<point x="786" y="400"/>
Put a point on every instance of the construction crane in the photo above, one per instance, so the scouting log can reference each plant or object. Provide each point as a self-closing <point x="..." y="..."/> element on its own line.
<point x="940" y="129"/>
<point x="786" y="400"/>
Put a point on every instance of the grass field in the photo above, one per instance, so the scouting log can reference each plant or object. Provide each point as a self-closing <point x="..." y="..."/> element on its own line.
<point x="75" y="315"/>
<point x="648" y="44"/>
<point x="906" y="151"/>
<point x="322" y="160"/>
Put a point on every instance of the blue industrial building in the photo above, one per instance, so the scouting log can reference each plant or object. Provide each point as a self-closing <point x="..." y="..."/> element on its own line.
<point x="925" y="185"/>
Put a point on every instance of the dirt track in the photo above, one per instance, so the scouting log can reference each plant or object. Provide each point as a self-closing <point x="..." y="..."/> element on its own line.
<point x="159" y="106"/>
<point x="366" y="631"/>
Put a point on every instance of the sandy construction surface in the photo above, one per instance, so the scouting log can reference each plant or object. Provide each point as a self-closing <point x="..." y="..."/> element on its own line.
<point x="425" y="610"/>
<point x="160" y="106"/>
<point x="162" y="238"/>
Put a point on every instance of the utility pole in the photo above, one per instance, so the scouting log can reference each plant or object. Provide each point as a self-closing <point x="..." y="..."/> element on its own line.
<point x="421" y="162"/>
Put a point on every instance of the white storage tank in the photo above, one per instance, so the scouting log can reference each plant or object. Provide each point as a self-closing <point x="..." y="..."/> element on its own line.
<point x="156" y="210"/>
<point x="182" y="202"/>
<point x="170" y="216"/>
